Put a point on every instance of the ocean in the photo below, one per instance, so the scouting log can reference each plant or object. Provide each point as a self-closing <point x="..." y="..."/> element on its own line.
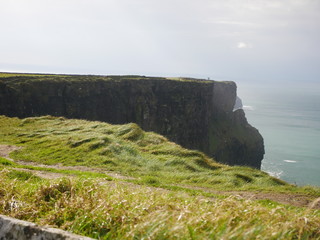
<point x="288" y="118"/>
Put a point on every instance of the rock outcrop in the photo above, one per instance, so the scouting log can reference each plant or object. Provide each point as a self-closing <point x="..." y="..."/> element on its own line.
<point x="197" y="114"/>
<point x="15" y="229"/>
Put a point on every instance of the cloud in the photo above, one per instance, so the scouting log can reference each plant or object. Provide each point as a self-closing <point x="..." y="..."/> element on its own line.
<point x="235" y="23"/>
<point x="243" y="45"/>
<point x="151" y="37"/>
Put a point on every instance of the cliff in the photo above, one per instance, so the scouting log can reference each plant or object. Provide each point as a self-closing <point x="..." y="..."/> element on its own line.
<point x="194" y="113"/>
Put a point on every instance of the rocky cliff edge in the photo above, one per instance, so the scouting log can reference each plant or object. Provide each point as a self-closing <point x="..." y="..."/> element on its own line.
<point x="195" y="113"/>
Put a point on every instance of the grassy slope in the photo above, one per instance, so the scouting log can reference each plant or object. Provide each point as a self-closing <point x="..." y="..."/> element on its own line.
<point x="128" y="150"/>
<point x="115" y="211"/>
<point x="97" y="205"/>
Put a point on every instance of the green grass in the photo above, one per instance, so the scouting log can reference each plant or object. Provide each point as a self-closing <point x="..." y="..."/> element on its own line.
<point x="76" y="173"/>
<point x="7" y="75"/>
<point x="21" y="175"/>
<point x="6" y="162"/>
<point x="128" y="150"/>
<point x="118" y="211"/>
<point x="171" y="192"/>
<point x="12" y="77"/>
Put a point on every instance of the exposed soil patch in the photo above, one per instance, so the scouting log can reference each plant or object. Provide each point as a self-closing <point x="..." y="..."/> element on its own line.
<point x="44" y="174"/>
<point x="5" y="150"/>
<point x="77" y="168"/>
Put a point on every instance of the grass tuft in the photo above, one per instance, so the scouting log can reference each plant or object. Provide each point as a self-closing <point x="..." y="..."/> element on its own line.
<point x="55" y="191"/>
<point x="21" y="175"/>
<point x="6" y="162"/>
<point x="244" y="178"/>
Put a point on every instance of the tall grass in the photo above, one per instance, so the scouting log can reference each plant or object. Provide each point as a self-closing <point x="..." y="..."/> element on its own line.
<point x="117" y="211"/>
<point x="168" y="203"/>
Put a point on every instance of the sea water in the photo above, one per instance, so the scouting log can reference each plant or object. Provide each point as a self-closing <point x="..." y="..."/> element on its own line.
<point x="288" y="118"/>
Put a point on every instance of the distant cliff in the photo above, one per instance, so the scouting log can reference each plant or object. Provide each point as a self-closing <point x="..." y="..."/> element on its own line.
<point x="194" y="113"/>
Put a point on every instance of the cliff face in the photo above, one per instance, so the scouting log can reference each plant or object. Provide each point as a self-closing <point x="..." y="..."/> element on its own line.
<point x="196" y="114"/>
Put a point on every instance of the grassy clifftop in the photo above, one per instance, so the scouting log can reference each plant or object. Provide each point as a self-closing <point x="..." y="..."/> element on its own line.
<point x="119" y="182"/>
<point x="13" y="77"/>
<point x="197" y="114"/>
<point x="126" y="149"/>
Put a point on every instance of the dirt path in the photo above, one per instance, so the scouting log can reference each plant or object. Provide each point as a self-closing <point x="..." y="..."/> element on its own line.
<point x="43" y="174"/>
<point x="77" y="168"/>
<point x="5" y="150"/>
<point x="298" y="200"/>
<point x="295" y="199"/>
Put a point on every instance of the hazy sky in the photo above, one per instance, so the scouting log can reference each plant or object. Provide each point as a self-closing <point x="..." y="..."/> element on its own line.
<point x="256" y="40"/>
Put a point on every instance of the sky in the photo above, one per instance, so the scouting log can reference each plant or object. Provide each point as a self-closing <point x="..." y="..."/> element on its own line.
<point x="240" y="40"/>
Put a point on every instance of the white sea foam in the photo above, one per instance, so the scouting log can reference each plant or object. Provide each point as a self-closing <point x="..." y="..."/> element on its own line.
<point x="290" y="161"/>
<point x="276" y="174"/>
<point x="249" y="108"/>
